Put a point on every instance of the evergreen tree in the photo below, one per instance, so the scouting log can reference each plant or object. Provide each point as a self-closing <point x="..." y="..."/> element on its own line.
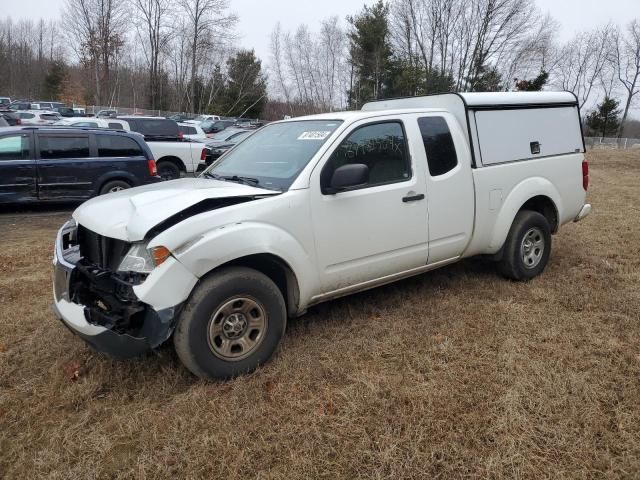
<point x="534" y="85"/>
<point x="486" y="79"/>
<point x="605" y="120"/>
<point x="245" y="91"/>
<point x="371" y="55"/>
<point x="54" y="80"/>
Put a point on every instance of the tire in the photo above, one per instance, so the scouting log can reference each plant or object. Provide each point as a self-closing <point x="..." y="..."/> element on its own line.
<point x="114" y="186"/>
<point x="527" y="248"/>
<point x="168" y="170"/>
<point x="214" y="337"/>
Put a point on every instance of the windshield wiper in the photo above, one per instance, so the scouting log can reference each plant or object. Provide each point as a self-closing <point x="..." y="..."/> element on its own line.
<point x="245" y="180"/>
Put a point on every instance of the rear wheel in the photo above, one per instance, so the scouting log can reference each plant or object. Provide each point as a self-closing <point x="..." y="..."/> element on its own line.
<point x="168" y="170"/>
<point x="528" y="246"/>
<point x="114" y="186"/>
<point x="231" y="324"/>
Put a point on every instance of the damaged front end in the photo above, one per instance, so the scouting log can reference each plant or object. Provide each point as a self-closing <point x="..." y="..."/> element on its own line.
<point x="97" y="302"/>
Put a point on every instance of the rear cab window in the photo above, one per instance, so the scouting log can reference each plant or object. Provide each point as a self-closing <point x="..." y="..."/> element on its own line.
<point x="438" y="145"/>
<point x="60" y="147"/>
<point x="118" y="146"/>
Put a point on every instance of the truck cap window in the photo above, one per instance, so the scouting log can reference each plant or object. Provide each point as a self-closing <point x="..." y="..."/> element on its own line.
<point x="438" y="145"/>
<point x="380" y="146"/>
<point x="64" y="147"/>
<point x="117" y="146"/>
<point x="14" y="147"/>
<point x="274" y="156"/>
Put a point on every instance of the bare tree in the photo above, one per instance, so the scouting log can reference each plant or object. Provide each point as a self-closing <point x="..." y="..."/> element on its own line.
<point x="209" y="22"/>
<point x="153" y="27"/>
<point x="96" y="32"/>
<point x="627" y="65"/>
<point x="582" y="61"/>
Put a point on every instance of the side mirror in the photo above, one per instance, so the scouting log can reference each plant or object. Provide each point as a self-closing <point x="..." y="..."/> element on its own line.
<point x="348" y="177"/>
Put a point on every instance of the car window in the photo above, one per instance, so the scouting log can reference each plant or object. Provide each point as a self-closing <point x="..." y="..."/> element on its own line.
<point x="438" y="145"/>
<point x="116" y="125"/>
<point x="381" y="147"/>
<point x="117" y="146"/>
<point x="187" y="130"/>
<point x="85" y="124"/>
<point x="26" y="116"/>
<point x="14" y="147"/>
<point x="64" y="147"/>
<point x="159" y="127"/>
<point x="49" y="116"/>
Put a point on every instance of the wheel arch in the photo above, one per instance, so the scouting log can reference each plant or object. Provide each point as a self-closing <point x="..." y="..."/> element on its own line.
<point x="274" y="267"/>
<point x="173" y="159"/>
<point x="537" y="194"/>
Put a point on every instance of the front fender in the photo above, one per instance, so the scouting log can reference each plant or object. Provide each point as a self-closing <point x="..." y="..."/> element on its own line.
<point x="517" y="197"/>
<point x="237" y="240"/>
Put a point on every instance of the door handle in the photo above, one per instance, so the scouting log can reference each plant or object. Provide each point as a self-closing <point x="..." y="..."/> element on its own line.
<point x="413" y="198"/>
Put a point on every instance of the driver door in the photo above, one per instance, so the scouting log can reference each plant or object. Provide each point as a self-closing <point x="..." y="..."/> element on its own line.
<point x="379" y="228"/>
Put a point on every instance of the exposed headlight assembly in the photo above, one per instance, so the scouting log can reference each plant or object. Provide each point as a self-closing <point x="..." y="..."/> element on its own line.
<point x="140" y="259"/>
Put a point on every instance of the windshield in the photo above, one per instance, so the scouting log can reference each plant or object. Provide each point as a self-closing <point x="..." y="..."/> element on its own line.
<point x="275" y="155"/>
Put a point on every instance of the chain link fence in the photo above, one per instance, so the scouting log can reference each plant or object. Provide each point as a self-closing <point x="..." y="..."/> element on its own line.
<point x="93" y="109"/>
<point x="612" y="143"/>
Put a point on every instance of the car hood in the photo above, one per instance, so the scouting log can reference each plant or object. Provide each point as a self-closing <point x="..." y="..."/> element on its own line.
<point x="129" y="214"/>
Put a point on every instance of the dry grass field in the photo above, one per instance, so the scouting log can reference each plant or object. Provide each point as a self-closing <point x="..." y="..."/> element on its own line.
<point x="453" y="374"/>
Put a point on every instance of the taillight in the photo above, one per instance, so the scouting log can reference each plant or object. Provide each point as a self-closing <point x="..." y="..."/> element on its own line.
<point x="18" y="121"/>
<point x="203" y="155"/>
<point x="151" y="164"/>
<point x="585" y="175"/>
<point x="180" y="135"/>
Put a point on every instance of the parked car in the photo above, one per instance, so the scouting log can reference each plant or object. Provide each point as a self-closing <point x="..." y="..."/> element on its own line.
<point x="21" y="105"/>
<point x="314" y="208"/>
<point x="211" y="127"/>
<point x="5" y="102"/>
<point x="11" y="117"/>
<point x="46" y="105"/>
<point x="65" y="111"/>
<point x="173" y="153"/>
<point x="191" y="131"/>
<point x="38" y="117"/>
<point x="107" y="114"/>
<point x="180" y="117"/>
<point x="79" y="112"/>
<point x="203" y="118"/>
<point x="215" y="150"/>
<point x="45" y="163"/>
<point x="113" y="123"/>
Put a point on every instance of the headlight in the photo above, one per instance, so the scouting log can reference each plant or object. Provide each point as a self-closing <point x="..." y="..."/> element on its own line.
<point x="142" y="260"/>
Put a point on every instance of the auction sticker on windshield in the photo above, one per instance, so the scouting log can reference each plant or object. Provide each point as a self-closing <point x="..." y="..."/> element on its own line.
<point x="314" y="135"/>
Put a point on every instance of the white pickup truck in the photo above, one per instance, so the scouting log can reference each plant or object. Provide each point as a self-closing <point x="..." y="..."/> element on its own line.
<point x="174" y="154"/>
<point x="314" y="208"/>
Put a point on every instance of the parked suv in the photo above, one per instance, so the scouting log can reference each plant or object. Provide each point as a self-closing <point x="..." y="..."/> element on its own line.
<point x="53" y="163"/>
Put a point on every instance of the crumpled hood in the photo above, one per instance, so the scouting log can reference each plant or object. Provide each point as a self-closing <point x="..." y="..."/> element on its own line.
<point x="129" y="214"/>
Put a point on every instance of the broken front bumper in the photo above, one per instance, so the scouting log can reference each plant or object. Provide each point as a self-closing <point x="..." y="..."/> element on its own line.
<point x="91" y="324"/>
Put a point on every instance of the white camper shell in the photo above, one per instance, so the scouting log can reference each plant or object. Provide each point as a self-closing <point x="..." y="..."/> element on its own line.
<point x="506" y="127"/>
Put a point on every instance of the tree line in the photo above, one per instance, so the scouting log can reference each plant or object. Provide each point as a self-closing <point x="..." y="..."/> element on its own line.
<point x="181" y="55"/>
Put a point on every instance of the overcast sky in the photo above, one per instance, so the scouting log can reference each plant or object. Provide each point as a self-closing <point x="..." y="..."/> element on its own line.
<point x="257" y="17"/>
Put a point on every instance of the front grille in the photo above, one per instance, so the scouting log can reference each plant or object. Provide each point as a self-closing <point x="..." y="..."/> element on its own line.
<point x="103" y="252"/>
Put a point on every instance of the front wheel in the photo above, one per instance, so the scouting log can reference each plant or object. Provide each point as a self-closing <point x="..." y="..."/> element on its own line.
<point x="231" y="324"/>
<point x="528" y="246"/>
